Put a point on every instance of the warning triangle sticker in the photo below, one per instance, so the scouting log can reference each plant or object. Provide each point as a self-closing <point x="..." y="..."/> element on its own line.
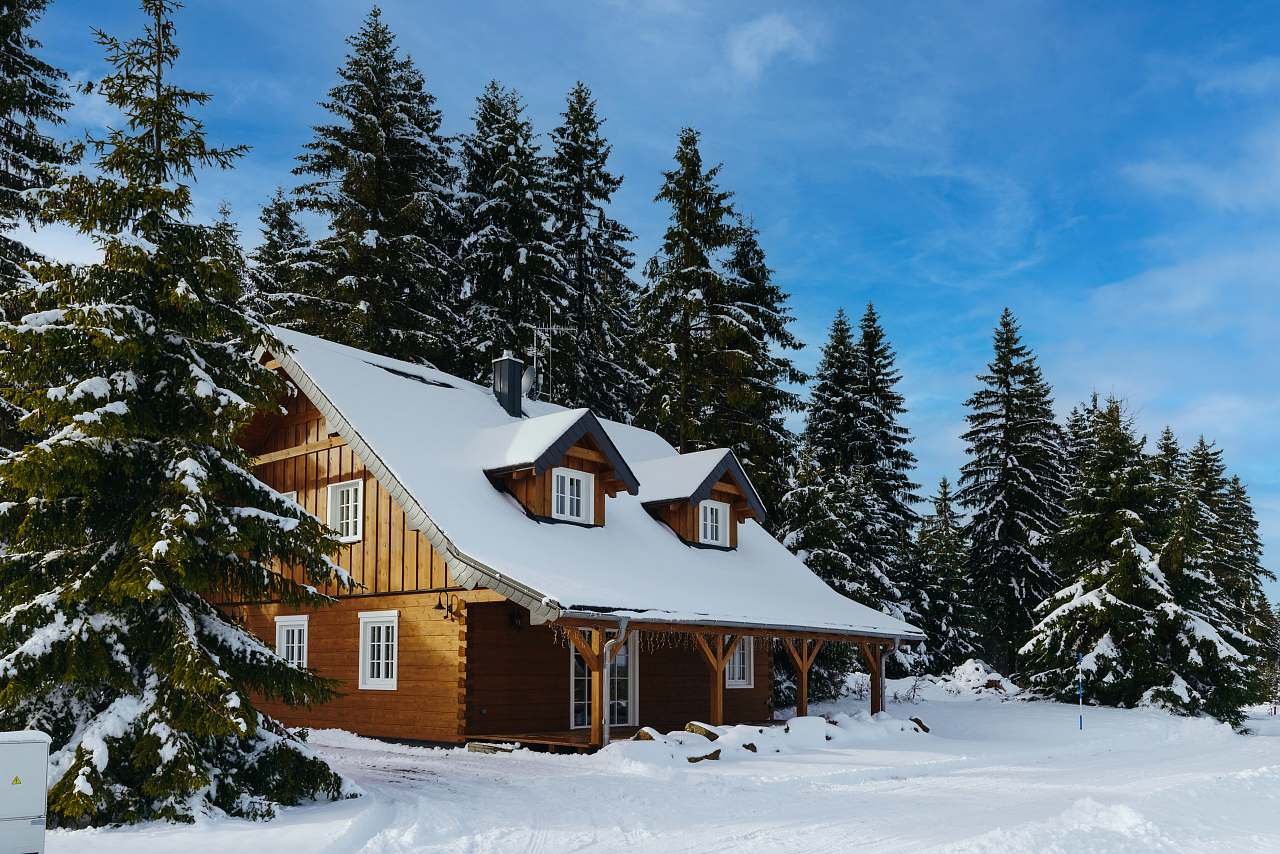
<point x="17" y="781"/>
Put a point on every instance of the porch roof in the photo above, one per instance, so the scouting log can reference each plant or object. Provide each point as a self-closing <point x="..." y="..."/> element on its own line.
<point x="429" y="436"/>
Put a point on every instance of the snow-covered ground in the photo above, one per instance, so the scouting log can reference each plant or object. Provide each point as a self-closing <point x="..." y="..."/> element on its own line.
<point x="992" y="775"/>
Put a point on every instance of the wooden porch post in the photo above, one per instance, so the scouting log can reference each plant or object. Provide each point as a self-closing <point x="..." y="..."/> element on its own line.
<point x="717" y="653"/>
<point x="803" y="659"/>
<point x="592" y="652"/>
<point x="874" y="654"/>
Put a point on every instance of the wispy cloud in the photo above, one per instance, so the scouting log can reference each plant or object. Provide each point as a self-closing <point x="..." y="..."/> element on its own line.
<point x="1248" y="182"/>
<point x="750" y="47"/>
<point x="1253" y="78"/>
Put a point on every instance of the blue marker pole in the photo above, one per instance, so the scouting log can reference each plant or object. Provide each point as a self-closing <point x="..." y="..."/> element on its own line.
<point x="1080" y="687"/>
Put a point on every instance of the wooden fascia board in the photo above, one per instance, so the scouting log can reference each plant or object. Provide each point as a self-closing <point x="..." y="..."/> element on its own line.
<point x="639" y="625"/>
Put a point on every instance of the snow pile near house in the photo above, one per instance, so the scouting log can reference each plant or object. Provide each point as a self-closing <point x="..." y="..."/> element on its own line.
<point x="745" y="743"/>
<point x="977" y="677"/>
<point x="971" y="680"/>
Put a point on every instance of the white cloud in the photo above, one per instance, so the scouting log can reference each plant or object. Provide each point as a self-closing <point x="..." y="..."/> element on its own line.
<point x="753" y="45"/>
<point x="1250" y="182"/>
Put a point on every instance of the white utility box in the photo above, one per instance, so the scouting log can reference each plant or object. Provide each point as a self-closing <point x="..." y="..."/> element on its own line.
<point x="24" y="780"/>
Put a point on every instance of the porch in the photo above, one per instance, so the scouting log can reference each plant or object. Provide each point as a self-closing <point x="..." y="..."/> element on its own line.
<point x="550" y="685"/>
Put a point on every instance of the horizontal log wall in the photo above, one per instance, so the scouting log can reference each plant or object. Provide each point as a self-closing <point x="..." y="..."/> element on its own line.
<point x="427" y="702"/>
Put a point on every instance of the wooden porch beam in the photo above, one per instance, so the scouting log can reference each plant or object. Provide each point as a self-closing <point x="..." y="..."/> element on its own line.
<point x="584" y="646"/>
<point x="803" y="659"/>
<point x="598" y="710"/>
<point x="298" y="450"/>
<point x="744" y="631"/>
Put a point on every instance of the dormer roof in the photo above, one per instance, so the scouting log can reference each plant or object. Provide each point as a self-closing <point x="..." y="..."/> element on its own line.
<point x="691" y="477"/>
<point x="542" y="442"/>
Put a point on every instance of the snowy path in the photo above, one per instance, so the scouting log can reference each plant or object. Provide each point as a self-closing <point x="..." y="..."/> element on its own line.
<point x="990" y="777"/>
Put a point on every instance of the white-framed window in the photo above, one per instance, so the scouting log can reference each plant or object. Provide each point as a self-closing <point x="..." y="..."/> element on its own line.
<point x="714" y="527"/>
<point x="346" y="510"/>
<point x="379" y="650"/>
<point x="624" y="685"/>
<point x="573" y="495"/>
<point x="291" y="639"/>
<point x="740" y="671"/>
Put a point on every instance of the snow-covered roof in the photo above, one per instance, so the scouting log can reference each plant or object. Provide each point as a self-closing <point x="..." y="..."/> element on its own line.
<point x="429" y="437"/>
<point x="542" y="441"/>
<point x="692" y="476"/>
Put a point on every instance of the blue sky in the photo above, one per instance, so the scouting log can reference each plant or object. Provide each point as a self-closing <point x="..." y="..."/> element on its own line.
<point x="1111" y="174"/>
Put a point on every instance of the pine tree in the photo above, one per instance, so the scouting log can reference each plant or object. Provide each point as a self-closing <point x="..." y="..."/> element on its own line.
<point x="824" y="515"/>
<point x="880" y="443"/>
<point x="514" y="275"/>
<point x="383" y="278"/>
<point x="1077" y="441"/>
<point x="939" y="587"/>
<point x="1013" y="485"/>
<point x="276" y="277"/>
<point x="31" y="92"/>
<point x="714" y="328"/>
<point x="1243" y="574"/>
<point x="1216" y="662"/>
<point x="131" y="504"/>
<point x="1111" y="624"/>
<point x="1167" y="466"/>
<point x="833" y="410"/>
<point x="595" y="365"/>
<point x="752" y="341"/>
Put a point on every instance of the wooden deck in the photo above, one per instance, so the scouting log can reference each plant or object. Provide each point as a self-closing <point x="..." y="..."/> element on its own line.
<point x="568" y="740"/>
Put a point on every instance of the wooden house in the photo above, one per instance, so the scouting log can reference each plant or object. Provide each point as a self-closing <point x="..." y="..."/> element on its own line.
<point x="526" y="571"/>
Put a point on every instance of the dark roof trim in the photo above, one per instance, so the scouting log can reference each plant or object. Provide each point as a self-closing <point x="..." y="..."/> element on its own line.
<point x="587" y="425"/>
<point x="728" y="465"/>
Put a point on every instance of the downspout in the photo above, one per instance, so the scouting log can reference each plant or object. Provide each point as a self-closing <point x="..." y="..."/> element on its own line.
<point x="610" y="647"/>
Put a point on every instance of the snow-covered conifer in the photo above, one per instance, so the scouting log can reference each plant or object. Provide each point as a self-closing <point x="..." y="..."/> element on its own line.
<point x="514" y="275"/>
<point x="1013" y="486"/>
<point x="595" y="363"/>
<point x="1216" y="658"/>
<point x="31" y="94"/>
<point x="1167" y="472"/>
<point x="824" y="516"/>
<point x="1118" y="609"/>
<point x="833" y="410"/>
<point x="276" y="279"/>
<point x="383" y="278"/>
<point x="131" y="504"/>
<point x="938" y="587"/>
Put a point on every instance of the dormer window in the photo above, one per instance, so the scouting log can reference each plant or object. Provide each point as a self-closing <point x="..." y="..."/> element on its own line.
<point x="715" y="523"/>
<point x="572" y="495"/>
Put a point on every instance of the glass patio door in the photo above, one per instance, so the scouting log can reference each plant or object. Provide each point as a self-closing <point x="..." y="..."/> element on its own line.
<point x="622" y="686"/>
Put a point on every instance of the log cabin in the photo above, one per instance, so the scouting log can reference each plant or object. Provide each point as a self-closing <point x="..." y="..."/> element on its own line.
<point x="527" y="572"/>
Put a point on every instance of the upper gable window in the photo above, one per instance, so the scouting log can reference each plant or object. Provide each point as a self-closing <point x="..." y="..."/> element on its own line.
<point x="573" y="495"/>
<point x="714" y="527"/>
<point x="346" y="510"/>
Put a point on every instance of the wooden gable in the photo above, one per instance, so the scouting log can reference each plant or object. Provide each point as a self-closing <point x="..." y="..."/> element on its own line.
<point x="683" y="517"/>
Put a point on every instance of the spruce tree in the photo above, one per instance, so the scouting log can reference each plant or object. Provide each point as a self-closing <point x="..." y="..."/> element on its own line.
<point x="1243" y="575"/>
<point x="594" y="360"/>
<point x="1013" y="486"/>
<point x="834" y="411"/>
<point x="383" y="278"/>
<point x="714" y="328"/>
<point x="31" y="94"/>
<point x="276" y="278"/>
<point x="131" y="505"/>
<point x="879" y="442"/>
<point x="752" y="340"/>
<point x="1167" y="465"/>
<point x="514" y="275"/>
<point x="825" y="515"/>
<point x="939" y="587"/>
<point x="1216" y="657"/>
<point x="1111" y="624"/>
